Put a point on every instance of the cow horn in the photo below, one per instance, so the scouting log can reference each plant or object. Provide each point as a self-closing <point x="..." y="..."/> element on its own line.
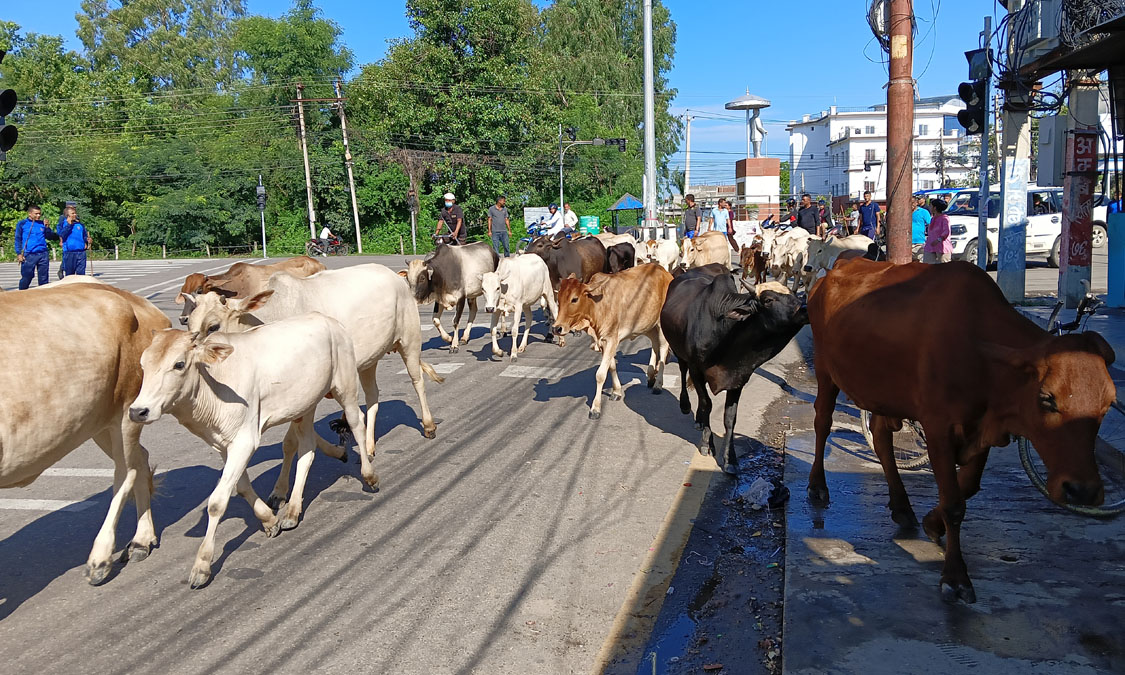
<point x="746" y="285"/>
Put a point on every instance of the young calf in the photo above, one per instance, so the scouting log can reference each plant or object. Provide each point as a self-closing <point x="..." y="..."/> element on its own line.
<point x="229" y="388"/>
<point x="514" y="288"/>
<point x="612" y="308"/>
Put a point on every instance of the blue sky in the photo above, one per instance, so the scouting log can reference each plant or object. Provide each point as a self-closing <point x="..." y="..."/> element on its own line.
<point x="803" y="58"/>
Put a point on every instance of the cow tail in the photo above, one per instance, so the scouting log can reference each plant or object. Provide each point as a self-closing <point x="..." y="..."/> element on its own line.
<point x="429" y="370"/>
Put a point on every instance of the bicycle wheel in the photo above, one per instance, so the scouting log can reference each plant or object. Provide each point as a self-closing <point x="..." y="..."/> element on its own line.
<point x="910" y="442"/>
<point x="1108" y="451"/>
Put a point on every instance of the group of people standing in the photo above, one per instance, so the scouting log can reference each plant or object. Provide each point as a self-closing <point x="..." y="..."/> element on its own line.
<point x="451" y="222"/>
<point x="32" y="254"/>
<point x="929" y="231"/>
<point x="721" y="218"/>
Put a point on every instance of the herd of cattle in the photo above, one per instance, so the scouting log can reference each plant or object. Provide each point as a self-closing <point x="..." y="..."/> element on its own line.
<point x="265" y="344"/>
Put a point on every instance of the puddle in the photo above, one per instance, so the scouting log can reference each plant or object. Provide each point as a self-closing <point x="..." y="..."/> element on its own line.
<point x="672" y="644"/>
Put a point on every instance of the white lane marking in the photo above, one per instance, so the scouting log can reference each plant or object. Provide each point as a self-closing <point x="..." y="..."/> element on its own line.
<point x="78" y="473"/>
<point x="43" y="505"/>
<point x="177" y="284"/>
<point x="532" y="372"/>
<point x="442" y="368"/>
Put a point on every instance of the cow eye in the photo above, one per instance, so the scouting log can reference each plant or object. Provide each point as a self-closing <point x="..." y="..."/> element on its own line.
<point x="179" y="365"/>
<point x="573" y="300"/>
<point x="212" y="328"/>
<point x="1047" y="402"/>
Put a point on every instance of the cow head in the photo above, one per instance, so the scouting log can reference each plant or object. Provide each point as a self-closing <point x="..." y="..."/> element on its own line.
<point x="780" y="310"/>
<point x="215" y="313"/>
<point x="420" y="278"/>
<point x="576" y="303"/>
<point x="171" y="374"/>
<point x="1058" y="393"/>
<point x="689" y="253"/>
<point x="540" y="246"/>
<point x="495" y="286"/>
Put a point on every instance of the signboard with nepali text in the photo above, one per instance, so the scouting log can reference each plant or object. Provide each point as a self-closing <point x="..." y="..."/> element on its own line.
<point x="1078" y="198"/>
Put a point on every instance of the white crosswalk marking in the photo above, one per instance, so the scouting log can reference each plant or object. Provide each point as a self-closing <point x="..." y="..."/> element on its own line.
<point x="43" y="505"/>
<point x="78" y="473"/>
<point x="440" y="368"/>
<point x="532" y="372"/>
<point x="115" y="272"/>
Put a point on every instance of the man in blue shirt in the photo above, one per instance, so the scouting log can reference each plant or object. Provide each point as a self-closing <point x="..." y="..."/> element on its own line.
<point x="31" y="247"/>
<point x="869" y="217"/>
<point x="74" y="241"/>
<point x="919" y="221"/>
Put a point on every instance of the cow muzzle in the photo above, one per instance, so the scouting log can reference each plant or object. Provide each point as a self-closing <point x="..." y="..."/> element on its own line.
<point x="1083" y="493"/>
<point x="183" y="320"/>
<point x="557" y="330"/>
<point x="139" y="414"/>
<point x="489" y="310"/>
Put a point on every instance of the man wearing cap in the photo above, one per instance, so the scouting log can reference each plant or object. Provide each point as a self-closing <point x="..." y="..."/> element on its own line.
<point x="31" y="247"/>
<point x="453" y="218"/>
<point x="555" y="222"/>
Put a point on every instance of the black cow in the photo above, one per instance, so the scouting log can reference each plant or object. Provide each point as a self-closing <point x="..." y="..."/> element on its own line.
<point x="620" y="257"/>
<point x="449" y="278"/>
<point x="720" y="337"/>
<point x="583" y="257"/>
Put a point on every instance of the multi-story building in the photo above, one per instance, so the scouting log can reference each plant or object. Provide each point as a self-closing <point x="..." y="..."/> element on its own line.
<point x="841" y="152"/>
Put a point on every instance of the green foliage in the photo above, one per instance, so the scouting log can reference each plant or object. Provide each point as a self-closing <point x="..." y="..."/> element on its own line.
<point x="161" y="124"/>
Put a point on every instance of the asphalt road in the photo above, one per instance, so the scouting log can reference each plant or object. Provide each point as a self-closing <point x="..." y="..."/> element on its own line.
<point x="505" y="545"/>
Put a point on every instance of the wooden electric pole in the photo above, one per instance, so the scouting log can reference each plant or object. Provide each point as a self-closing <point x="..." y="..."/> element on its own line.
<point x="900" y="131"/>
<point x="348" y="164"/>
<point x="305" y="154"/>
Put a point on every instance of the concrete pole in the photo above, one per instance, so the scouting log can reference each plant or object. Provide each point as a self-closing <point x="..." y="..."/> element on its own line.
<point x="348" y="164"/>
<point x="305" y="154"/>
<point x="900" y="131"/>
<point x="561" y="202"/>
<point x="1078" y="189"/>
<point x="687" y="158"/>
<point x="1015" y="154"/>
<point x="651" y="220"/>
<point x="985" y="178"/>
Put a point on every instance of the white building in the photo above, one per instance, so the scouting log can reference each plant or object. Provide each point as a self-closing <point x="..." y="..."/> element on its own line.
<point x="842" y="152"/>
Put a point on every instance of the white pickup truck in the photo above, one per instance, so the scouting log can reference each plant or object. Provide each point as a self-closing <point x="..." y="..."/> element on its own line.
<point x="1044" y="223"/>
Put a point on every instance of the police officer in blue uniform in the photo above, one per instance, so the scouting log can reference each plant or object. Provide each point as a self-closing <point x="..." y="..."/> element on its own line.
<point x="31" y="247"/>
<point x="74" y="242"/>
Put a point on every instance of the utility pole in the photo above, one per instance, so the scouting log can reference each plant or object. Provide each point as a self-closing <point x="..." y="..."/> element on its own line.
<point x="687" y="154"/>
<point x="1015" y="155"/>
<point x="305" y="154"/>
<point x="651" y="220"/>
<point x="348" y="164"/>
<point x="561" y="202"/>
<point x="261" y="193"/>
<point x="900" y="131"/>
<point x="985" y="141"/>
<point x="1078" y="188"/>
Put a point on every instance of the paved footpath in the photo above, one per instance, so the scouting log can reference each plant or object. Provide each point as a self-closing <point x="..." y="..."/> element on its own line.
<point x="862" y="596"/>
<point x="506" y="545"/>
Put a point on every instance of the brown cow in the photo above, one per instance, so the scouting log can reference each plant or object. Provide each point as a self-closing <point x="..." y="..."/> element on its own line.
<point x="616" y="307"/>
<point x="752" y="260"/>
<point x="707" y="248"/>
<point x="243" y="280"/>
<point x="939" y="344"/>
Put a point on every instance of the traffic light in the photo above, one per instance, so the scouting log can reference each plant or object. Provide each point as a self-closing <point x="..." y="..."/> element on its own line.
<point x="8" y="132"/>
<point x="619" y="142"/>
<point x="975" y="92"/>
<point x="261" y="191"/>
<point x="572" y="133"/>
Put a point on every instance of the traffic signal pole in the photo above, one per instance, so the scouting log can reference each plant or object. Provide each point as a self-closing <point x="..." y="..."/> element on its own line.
<point x="985" y="141"/>
<point x="900" y="132"/>
<point x="1015" y="155"/>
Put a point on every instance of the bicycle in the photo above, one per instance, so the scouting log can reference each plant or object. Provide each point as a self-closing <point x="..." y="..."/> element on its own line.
<point x="1111" y="434"/>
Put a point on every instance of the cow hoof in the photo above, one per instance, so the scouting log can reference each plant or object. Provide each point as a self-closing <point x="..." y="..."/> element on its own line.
<point x="685" y="409"/>
<point x="97" y="574"/>
<point x="372" y="481"/>
<point x="275" y="501"/>
<point x="429" y="432"/>
<point x="497" y="354"/>
<point x="730" y="469"/>
<point x="905" y="518"/>
<point x="138" y="552"/>
<point x="952" y="592"/>
<point x="934" y="527"/>
<point x="698" y="425"/>
<point x="447" y="338"/>
<point x="452" y="349"/>
<point x="595" y="414"/>
<point x="818" y="495"/>
<point x="343" y="455"/>
<point x="288" y="523"/>
<point x="613" y="396"/>
<point x="199" y="578"/>
<point x="272" y="530"/>
<point x="657" y="390"/>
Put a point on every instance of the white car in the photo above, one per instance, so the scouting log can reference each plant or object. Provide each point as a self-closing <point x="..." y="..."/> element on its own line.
<point x="1044" y="224"/>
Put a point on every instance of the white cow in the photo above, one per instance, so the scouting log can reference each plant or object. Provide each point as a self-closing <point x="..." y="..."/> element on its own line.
<point x="514" y="288"/>
<point x="787" y="254"/>
<point x="73" y="367"/>
<point x="663" y="252"/>
<point x="229" y="388"/>
<point x="372" y="303"/>
<point x="707" y="248"/>
<point x="822" y="253"/>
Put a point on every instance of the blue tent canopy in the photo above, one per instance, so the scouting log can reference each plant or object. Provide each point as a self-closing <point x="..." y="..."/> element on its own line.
<point x="626" y="203"/>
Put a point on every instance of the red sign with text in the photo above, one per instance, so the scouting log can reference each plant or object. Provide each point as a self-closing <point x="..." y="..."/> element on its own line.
<point x="1078" y="198"/>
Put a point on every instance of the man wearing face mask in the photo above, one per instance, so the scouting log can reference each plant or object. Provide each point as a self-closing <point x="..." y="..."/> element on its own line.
<point x="453" y="219"/>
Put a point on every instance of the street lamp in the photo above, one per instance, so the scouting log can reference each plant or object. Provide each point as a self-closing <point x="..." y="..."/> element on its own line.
<point x="572" y="133"/>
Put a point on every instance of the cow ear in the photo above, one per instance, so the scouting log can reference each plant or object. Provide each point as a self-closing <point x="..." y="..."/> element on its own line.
<point x="571" y="276"/>
<point x="214" y="352"/>
<point x="1098" y="345"/>
<point x="480" y="277"/>
<point x="180" y="299"/>
<point x="256" y="302"/>
<point x="1027" y="360"/>
<point x="402" y="273"/>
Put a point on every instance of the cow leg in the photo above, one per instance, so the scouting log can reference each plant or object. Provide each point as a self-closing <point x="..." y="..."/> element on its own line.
<point x="472" y="318"/>
<point x="412" y="359"/>
<point x="100" y="562"/>
<point x="454" y="340"/>
<point x="824" y="406"/>
<point x="968" y="478"/>
<point x="237" y="457"/>
<point x="496" y="351"/>
<point x="703" y="414"/>
<point x="521" y="312"/>
<point x="685" y="402"/>
<point x="599" y="379"/>
<point x="295" y="506"/>
<point x="657" y="360"/>
<point x="368" y="379"/>
<point x="345" y="392"/>
<point x="438" y="311"/>
<point x="136" y="457"/>
<point x="901" y="511"/>
<point x="730" y="414"/>
<point x="955" y="582"/>
<point x="289" y="446"/>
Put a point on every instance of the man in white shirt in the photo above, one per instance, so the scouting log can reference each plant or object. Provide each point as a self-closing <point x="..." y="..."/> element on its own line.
<point x="325" y="234"/>
<point x="555" y="222"/>
<point x="570" y="219"/>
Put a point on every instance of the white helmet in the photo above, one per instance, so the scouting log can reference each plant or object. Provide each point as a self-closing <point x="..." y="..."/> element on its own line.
<point x="450" y="197"/>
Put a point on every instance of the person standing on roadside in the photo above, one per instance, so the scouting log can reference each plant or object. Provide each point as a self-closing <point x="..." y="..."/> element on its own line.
<point x="869" y="216"/>
<point x="693" y="216"/>
<point x="31" y="247"/>
<point x="939" y="249"/>
<point x="500" y="225"/>
<point x="570" y="218"/>
<point x="825" y="218"/>
<point x="853" y="218"/>
<point x="919" y="224"/>
<point x="75" y="241"/>
<point x="719" y="220"/>
<point x="808" y="217"/>
<point x="453" y="218"/>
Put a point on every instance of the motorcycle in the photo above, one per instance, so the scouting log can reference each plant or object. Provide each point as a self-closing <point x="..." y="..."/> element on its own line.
<point x="315" y="247"/>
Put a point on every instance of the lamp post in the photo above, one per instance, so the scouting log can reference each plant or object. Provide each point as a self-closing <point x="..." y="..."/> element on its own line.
<point x="571" y="132"/>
